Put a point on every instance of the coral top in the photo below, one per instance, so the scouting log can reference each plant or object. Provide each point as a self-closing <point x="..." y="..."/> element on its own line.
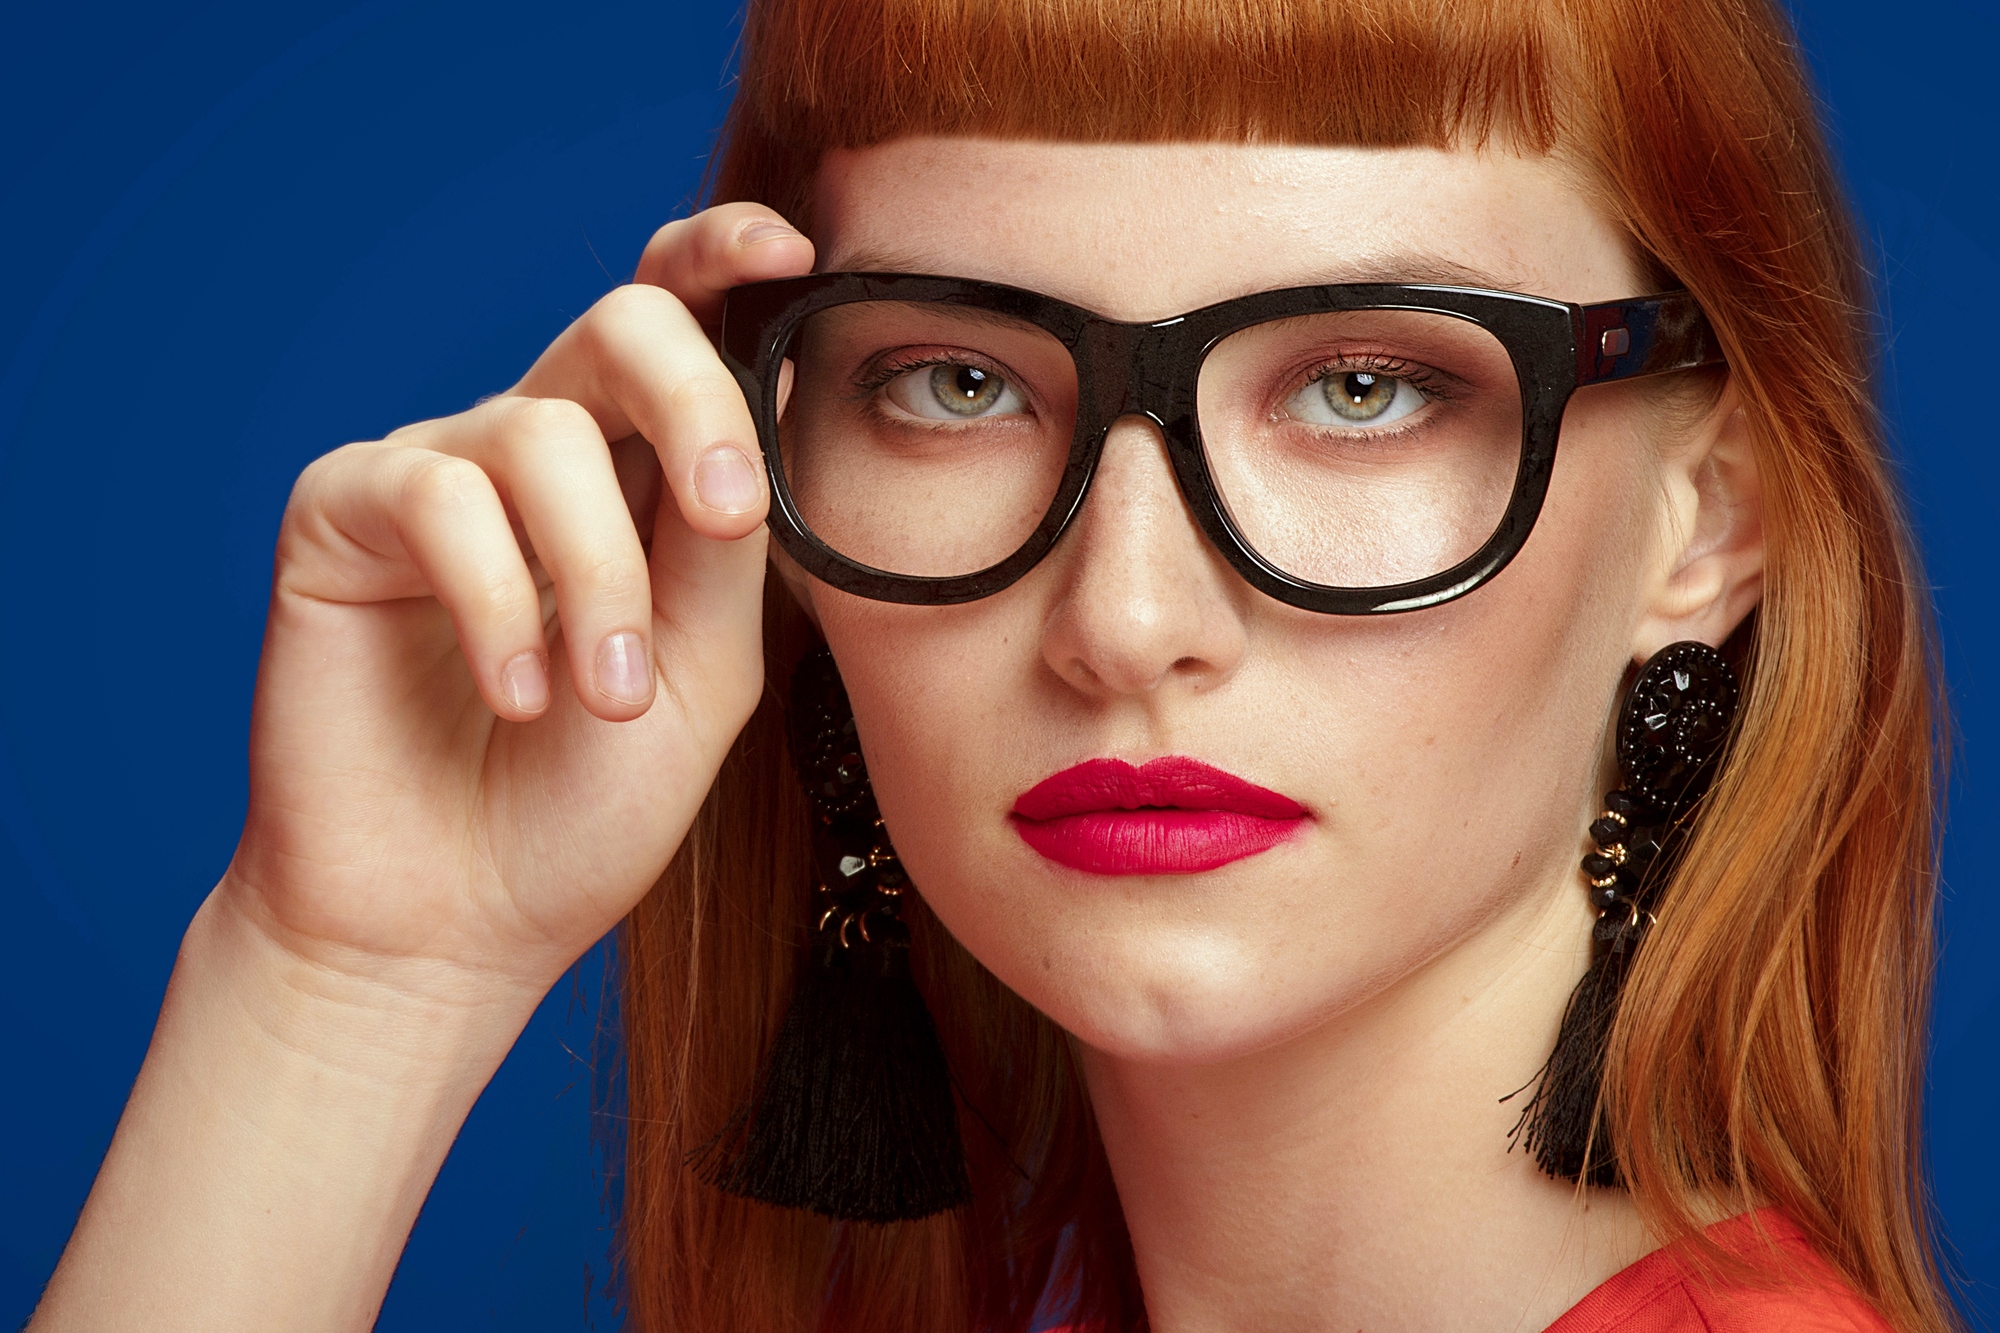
<point x="1663" y="1293"/>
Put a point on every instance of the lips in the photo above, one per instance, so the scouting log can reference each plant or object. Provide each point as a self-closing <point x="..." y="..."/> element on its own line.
<point x="1171" y="816"/>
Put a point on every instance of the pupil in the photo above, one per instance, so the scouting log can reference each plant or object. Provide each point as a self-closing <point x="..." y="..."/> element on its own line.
<point x="1359" y="388"/>
<point x="970" y="383"/>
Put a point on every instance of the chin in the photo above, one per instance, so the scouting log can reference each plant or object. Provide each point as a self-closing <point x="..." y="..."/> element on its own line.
<point x="1169" y="997"/>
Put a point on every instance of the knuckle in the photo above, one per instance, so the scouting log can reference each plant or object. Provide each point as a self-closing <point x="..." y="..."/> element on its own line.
<point x="606" y="578"/>
<point x="627" y="314"/>
<point x="335" y="462"/>
<point x="535" y="423"/>
<point x="445" y="482"/>
<point x="636" y="300"/>
<point x="700" y="389"/>
<point x="669" y="236"/>
<point x="324" y="479"/>
<point x="405" y="433"/>
<point x="314" y="478"/>
<point x="495" y="598"/>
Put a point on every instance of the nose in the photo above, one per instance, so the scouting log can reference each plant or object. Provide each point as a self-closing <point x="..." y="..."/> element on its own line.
<point x="1145" y="602"/>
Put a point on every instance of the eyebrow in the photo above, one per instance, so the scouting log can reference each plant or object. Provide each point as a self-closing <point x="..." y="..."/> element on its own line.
<point x="1392" y="266"/>
<point x="1419" y="266"/>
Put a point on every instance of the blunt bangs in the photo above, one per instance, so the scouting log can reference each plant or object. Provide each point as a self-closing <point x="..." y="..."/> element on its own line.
<point x="827" y="74"/>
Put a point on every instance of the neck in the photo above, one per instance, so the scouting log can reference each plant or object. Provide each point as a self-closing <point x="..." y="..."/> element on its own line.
<point x="1358" y="1176"/>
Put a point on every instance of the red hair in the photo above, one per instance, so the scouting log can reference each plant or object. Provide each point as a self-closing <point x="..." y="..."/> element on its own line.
<point x="1770" y="1043"/>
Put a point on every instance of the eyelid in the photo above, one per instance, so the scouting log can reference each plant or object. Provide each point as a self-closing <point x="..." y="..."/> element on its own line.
<point x="886" y="365"/>
<point x="1427" y="380"/>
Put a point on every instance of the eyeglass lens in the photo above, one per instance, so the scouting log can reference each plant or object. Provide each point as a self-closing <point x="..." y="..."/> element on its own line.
<point x="1351" y="449"/>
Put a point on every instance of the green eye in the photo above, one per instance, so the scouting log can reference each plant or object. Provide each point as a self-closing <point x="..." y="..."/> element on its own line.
<point x="1345" y="398"/>
<point x="965" y="391"/>
<point x="1360" y="395"/>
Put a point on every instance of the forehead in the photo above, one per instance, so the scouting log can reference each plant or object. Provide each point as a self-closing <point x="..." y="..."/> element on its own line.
<point x="1138" y="231"/>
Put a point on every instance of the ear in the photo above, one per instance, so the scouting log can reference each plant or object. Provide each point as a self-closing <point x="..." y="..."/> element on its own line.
<point x="1709" y="568"/>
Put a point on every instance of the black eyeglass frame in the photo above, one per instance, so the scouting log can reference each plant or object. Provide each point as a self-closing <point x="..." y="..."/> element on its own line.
<point x="1151" y="369"/>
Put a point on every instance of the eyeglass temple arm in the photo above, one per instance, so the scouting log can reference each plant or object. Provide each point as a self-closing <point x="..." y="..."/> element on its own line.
<point x="1648" y="336"/>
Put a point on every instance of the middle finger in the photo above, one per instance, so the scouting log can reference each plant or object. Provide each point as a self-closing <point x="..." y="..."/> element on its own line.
<point x="638" y="362"/>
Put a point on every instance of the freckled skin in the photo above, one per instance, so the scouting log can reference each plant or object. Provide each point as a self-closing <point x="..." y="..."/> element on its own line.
<point x="1134" y="639"/>
<point x="1296" y="1060"/>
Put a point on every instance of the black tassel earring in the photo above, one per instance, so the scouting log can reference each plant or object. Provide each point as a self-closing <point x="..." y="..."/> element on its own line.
<point x="853" y="1115"/>
<point x="1675" y="719"/>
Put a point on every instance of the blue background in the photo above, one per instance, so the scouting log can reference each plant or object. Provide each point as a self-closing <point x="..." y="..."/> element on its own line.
<point x="235" y="235"/>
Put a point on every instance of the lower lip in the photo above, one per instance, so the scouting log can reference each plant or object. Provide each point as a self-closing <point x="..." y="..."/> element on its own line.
<point x="1153" y="842"/>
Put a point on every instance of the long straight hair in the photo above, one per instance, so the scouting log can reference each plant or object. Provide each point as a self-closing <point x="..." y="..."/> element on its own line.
<point x="1769" y="1046"/>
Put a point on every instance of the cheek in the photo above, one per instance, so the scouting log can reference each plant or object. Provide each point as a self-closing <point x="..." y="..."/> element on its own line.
<point x="942" y="698"/>
<point x="1450" y="759"/>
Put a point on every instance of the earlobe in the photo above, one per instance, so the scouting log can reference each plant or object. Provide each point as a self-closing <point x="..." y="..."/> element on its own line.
<point x="1710" y="571"/>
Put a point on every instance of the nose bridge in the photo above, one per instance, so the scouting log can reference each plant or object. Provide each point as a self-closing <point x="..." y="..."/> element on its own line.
<point x="1145" y="598"/>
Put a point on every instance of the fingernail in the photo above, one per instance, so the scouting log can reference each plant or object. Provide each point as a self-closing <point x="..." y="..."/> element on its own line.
<point x="765" y="230"/>
<point x="725" y="482"/>
<point x="623" y="673"/>
<point x="525" y="682"/>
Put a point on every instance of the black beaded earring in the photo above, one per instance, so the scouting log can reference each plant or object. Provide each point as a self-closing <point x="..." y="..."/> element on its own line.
<point x="852" y="1116"/>
<point x="1673" y="725"/>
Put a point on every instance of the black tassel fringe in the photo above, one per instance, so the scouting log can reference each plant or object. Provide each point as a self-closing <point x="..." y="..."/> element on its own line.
<point x="853" y="1117"/>
<point x="1563" y="1123"/>
<point x="853" y="1114"/>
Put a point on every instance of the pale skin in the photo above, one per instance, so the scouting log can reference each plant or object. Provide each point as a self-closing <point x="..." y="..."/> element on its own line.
<point x="1295" y="1059"/>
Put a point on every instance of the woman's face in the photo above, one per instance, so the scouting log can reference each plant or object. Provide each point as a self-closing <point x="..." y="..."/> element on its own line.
<point x="1446" y="761"/>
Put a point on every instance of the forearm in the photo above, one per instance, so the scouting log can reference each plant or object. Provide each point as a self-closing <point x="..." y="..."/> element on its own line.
<point x="280" y="1139"/>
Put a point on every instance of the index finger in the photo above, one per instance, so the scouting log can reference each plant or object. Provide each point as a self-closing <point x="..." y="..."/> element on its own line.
<point x="639" y="364"/>
<point x="700" y="258"/>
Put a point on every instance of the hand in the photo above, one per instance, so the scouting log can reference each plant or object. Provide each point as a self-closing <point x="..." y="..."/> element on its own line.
<point x="503" y="663"/>
<point x="487" y="713"/>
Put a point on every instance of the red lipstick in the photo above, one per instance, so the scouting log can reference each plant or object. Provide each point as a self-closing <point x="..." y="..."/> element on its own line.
<point x="1172" y="816"/>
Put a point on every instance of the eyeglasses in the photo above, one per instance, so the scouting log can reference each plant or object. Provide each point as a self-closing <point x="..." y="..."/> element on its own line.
<point x="1355" y="449"/>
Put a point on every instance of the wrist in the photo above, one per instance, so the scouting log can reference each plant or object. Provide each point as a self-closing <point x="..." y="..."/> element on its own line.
<point x="404" y="1019"/>
<point x="400" y="961"/>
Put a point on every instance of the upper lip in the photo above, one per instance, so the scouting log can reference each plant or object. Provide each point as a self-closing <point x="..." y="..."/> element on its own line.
<point x="1171" y="783"/>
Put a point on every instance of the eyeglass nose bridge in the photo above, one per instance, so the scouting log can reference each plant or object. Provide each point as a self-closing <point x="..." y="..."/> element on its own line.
<point x="1124" y="370"/>
<point x="1142" y="371"/>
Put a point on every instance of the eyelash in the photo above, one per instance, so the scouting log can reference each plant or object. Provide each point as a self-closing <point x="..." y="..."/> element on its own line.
<point x="1423" y="379"/>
